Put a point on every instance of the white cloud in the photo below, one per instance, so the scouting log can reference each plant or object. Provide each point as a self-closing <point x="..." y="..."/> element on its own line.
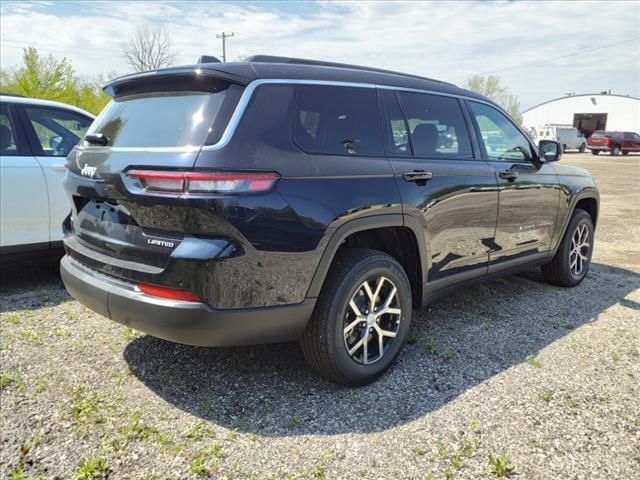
<point x="444" y="40"/>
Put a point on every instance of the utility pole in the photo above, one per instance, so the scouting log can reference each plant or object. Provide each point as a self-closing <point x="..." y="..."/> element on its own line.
<point x="224" y="37"/>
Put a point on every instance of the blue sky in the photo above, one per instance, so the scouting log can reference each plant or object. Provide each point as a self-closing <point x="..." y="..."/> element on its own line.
<point x="444" y="40"/>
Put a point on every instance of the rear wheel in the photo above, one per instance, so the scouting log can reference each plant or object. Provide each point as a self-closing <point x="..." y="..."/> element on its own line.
<point x="582" y="148"/>
<point x="625" y="153"/>
<point x="564" y="148"/>
<point x="615" y="151"/>
<point x="595" y="152"/>
<point x="361" y="318"/>
<point x="573" y="258"/>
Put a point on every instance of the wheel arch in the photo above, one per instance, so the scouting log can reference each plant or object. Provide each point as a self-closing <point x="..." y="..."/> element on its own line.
<point x="587" y="199"/>
<point x="383" y="233"/>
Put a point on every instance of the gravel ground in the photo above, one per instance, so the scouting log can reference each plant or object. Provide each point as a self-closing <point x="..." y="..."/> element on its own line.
<point x="547" y="377"/>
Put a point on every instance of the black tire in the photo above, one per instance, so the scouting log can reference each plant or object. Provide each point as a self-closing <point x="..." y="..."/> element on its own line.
<point x="324" y="341"/>
<point x="595" y="152"/>
<point x="564" y="148"/>
<point x="559" y="271"/>
<point x="625" y="153"/>
<point x="615" y="151"/>
<point x="582" y="148"/>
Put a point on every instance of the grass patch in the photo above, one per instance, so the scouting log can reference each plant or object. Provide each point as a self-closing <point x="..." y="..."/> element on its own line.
<point x="412" y="339"/>
<point x="198" y="431"/>
<point x="449" y="353"/>
<point x="92" y="469"/>
<point x="135" y="429"/>
<point x="500" y="466"/>
<point x="547" y="395"/>
<point x="432" y="346"/>
<point x="11" y="377"/>
<point x="201" y="465"/>
<point x="533" y="361"/>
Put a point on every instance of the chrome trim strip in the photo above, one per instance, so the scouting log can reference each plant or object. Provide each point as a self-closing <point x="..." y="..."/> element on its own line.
<point x="238" y="113"/>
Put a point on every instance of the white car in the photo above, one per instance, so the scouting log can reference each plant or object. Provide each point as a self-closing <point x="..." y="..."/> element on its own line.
<point x="35" y="138"/>
<point x="569" y="137"/>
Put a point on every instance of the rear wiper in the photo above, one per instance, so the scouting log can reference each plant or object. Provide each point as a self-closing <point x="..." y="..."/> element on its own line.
<point x="97" y="139"/>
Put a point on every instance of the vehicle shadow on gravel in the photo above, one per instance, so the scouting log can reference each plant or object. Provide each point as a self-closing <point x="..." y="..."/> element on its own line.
<point x="457" y="342"/>
<point x="31" y="285"/>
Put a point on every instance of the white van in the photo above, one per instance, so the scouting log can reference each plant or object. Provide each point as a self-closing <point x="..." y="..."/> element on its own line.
<point x="569" y="137"/>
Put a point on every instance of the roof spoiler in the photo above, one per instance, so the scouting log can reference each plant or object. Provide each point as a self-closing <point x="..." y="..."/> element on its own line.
<point x="199" y="79"/>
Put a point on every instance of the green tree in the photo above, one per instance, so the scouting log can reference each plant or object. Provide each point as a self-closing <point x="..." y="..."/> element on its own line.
<point x="49" y="78"/>
<point x="491" y="88"/>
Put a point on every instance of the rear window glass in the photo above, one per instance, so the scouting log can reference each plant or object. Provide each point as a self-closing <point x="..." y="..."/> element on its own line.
<point x="167" y="119"/>
<point x="436" y="125"/>
<point x="338" y="121"/>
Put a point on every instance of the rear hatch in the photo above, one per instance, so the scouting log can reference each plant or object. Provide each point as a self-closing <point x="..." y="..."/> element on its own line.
<point x="157" y="122"/>
<point x="598" y="139"/>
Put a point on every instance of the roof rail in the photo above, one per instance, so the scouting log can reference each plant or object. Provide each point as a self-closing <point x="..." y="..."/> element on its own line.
<point x="321" y="63"/>
<point x="7" y="94"/>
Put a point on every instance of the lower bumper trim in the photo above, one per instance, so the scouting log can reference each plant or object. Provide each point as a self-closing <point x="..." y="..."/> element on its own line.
<point x="190" y="323"/>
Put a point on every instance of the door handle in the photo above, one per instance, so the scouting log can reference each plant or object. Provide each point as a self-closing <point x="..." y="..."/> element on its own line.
<point x="58" y="167"/>
<point x="509" y="175"/>
<point x="417" y="176"/>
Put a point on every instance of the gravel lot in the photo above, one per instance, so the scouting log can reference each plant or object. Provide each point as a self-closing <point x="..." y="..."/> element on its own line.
<point x="548" y="377"/>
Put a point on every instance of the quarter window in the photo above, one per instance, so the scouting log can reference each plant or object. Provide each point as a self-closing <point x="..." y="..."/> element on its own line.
<point x="502" y="140"/>
<point x="338" y="121"/>
<point x="436" y="125"/>
<point x="57" y="130"/>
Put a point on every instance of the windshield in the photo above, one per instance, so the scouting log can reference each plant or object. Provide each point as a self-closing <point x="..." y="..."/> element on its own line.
<point x="167" y="119"/>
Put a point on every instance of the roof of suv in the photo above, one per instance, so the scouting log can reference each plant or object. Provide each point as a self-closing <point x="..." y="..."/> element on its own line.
<point x="42" y="103"/>
<point x="271" y="67"/>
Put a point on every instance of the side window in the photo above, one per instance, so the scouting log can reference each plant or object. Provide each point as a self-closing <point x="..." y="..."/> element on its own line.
<point x="8" y="143"/>
<point x="57" y="130"/>
<point x="436" y="125"/>
<point x="397" y="133"/>
<point x="338" y="120"/>
<point x="501" y="138"/>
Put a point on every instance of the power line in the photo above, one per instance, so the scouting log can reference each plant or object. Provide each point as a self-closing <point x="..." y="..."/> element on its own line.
<point x="539" y="62"/>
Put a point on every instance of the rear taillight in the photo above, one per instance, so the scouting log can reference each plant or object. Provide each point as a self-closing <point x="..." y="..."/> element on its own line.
<point x="168" y="293"/>
<point x="204" y="182"/>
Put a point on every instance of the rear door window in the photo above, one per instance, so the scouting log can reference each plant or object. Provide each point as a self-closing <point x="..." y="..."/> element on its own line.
<point x="166" y="119"/>
<point x="57" y="130"/>
<point x="436" y="125"/>
<point x="334" y="120"/>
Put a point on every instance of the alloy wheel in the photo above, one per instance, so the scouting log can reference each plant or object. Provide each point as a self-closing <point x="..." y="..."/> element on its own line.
<point x="372" y="320"/>
<point x="579" y="251"/>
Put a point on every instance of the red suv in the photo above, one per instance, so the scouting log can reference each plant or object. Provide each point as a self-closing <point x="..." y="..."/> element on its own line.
<point x="614" y="142"/>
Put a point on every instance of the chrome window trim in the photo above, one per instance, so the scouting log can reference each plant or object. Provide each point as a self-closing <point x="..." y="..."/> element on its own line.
<point x="247" y="94"/>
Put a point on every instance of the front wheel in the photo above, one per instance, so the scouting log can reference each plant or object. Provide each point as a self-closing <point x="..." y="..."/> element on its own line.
<point x="361" y="318"/>
<point x="582" y="148"/>
<point x="571" y="262"/>
<point x="615" y="151"/>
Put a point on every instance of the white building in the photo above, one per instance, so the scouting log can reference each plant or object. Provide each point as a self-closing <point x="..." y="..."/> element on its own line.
<point x="587" y="112"/>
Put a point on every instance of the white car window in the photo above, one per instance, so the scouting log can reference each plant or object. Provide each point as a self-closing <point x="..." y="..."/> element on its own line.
<point x="7" y="136"/>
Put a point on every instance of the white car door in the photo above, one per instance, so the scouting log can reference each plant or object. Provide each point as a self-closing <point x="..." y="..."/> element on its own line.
<point x="24" y="204"/>
<point x="57" y="131"/>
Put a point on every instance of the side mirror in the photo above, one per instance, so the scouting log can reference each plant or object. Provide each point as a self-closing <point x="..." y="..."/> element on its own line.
<point x="550" y="151"/>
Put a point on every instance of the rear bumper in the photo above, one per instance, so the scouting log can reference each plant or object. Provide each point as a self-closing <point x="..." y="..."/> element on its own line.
<point x="190" y="323"/>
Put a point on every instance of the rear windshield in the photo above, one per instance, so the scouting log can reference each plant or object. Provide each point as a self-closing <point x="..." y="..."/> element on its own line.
<point x="166" y="119"/>
<point x="598" y="134"/>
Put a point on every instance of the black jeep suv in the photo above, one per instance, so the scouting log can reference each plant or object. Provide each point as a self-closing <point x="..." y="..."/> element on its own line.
<point x="284" y="199"/>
